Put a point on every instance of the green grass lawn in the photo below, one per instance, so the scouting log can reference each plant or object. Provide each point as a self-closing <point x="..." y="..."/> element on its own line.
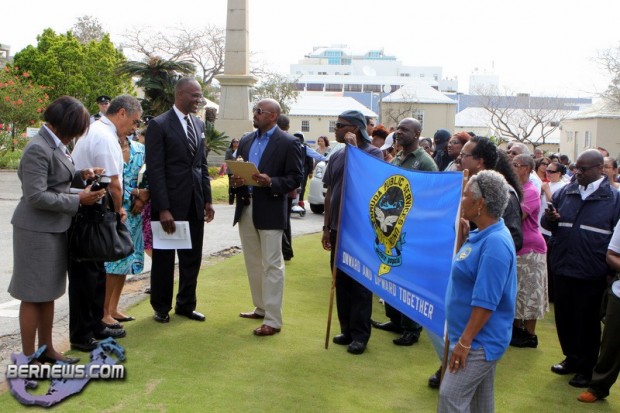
<point x="219" y="366"/>
<point x="219" y="189"/>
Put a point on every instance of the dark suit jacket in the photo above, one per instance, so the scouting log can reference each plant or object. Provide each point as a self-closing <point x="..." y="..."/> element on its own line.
<point x="175" y="176"/>
<point x="283" y="162"/>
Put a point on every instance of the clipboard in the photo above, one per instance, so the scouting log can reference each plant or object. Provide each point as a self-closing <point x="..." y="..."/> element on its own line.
<point x="243" y="170"/>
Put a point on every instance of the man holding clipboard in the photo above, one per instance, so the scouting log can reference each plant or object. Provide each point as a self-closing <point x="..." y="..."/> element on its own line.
<point x="261" y="210"/>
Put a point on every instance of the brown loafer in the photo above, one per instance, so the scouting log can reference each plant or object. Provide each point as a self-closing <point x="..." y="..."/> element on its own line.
<point x="251" y="315"/>
<point x="266" y="330"/>
<point x="587" y="397"/>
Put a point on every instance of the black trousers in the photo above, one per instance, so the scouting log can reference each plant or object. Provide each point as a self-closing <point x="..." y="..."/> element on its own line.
<point x="402" y="320"/>
<point x="353" y="301"/>
<point x="86" y="299"/>
<point x="162" y="273"/>
<point x="577" y="319"/>
<point x="608" y="365"/>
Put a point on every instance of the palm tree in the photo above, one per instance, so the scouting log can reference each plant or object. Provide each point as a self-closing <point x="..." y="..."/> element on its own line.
<point x="158" y="78"/>
<point x="215" y="140"/>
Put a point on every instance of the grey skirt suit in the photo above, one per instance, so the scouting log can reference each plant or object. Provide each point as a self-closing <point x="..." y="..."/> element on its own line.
<point x="41" y="220"/>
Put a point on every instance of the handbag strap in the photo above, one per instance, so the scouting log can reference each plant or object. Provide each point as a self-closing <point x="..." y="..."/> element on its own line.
<point x="108" y="201"/>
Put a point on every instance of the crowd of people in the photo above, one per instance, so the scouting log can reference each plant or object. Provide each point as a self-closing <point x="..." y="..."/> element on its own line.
<point x="534" y="229"/>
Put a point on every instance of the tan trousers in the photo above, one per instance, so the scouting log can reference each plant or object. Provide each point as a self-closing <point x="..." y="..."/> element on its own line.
<point x="262" y="250"/>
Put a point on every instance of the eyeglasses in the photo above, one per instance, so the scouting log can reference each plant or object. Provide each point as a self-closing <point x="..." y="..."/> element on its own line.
<point x="544" y="163"/>
<point x="260" y="111"/>
<point x="339" y="125"/>
<point x="517" y="165"/>
<point x="551" y="172"/>
<point x="454" y="142"/>
<point x="584" y="169"/>
<point x="465" y="155"/>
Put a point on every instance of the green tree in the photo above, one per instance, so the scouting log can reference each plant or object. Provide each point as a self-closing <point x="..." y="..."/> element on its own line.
<point x="157" y="77"/>
<point x="21" y="105"/>
<point x="276" y="86"/>
<point x="69" y="67"/>
<point x="215" y="141"/>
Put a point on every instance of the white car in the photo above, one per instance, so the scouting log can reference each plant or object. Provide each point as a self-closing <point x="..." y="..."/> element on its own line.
<point x="316" y="194"/>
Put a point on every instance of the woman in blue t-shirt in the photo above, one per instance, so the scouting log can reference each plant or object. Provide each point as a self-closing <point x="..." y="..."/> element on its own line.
<point x="480" y="298"/>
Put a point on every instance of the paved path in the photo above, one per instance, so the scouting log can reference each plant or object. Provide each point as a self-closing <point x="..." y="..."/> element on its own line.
<point x="220" y="235"/>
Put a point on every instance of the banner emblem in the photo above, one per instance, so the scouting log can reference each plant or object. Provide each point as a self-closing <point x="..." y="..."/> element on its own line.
<point x="389" y="207"/>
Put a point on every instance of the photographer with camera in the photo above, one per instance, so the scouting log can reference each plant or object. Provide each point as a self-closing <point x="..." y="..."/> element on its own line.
<point x="87" y="279"/>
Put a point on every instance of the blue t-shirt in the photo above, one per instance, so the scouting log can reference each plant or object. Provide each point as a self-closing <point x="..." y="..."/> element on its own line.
<point x="484" y="274"/>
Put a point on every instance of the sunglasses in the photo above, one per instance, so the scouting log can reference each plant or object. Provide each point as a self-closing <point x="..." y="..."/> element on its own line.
<point x="551" y="172"/>
<point x="260" y="111"/>
<point x="339" y="125"/>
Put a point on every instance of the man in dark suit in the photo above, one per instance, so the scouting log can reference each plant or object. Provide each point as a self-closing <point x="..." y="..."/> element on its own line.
<point x="181" y="191"/>
<point x="262" y="210"/>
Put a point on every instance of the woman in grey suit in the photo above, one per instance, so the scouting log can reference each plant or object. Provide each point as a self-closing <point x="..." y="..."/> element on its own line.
<point x="42" y="218"/>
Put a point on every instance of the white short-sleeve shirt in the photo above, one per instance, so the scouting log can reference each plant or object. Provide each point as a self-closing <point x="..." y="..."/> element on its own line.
<point x="100" y="148"/>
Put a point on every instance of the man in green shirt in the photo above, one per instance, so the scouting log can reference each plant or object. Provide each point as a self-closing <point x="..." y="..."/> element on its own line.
<point x="411" y="157"/>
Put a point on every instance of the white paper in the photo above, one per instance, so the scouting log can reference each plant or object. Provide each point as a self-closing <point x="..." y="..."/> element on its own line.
<point x="179" y="240"/>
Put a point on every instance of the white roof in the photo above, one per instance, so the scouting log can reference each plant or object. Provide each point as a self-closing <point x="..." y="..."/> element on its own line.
<point x="472" y="118"/>
<point x="419" y="92"/>
<point x="326" y="105"/>
<point x="602" y="108"/>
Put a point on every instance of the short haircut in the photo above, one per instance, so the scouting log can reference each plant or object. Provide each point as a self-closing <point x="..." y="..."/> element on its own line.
<point x="127" y="102"/>
<point x="462" y="137"/>
<point x="184" y="81"/>
<point x="430" y="142"/>
<point x="539" y="161"/>
<point x="68" y="116"/>
<point x="380" y="131"/>
<point x="525" y="159"/>
<point x="564" y="158"/>
<point x="493" y="188"/>
<point x="283" y="122"/>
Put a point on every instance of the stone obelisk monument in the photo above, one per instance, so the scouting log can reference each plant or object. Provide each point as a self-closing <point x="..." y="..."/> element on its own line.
<point x="234" y="116"/>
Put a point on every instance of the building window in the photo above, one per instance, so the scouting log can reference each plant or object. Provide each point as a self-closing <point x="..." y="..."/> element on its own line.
<point x="352" y="88"/>
<point x="332" y="126"/>
<point x="586" y="140"/>
<point x="305" y="126"/>
<point x="333" y="87"/>
<point x="576" y="140"/>
<point x="372" y="88"/>
<point x="569" y="136"/>
<point x="419" y="115"/>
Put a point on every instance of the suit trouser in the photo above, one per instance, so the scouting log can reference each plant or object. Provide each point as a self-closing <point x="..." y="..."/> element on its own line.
<point x="607" y="367"/>
<point x="353" y="301"/>
<point x="162" y="273"/>
<point x="577" y="319"/>
<point x="402" y="320"/>
<point x="262" y="251"/>
<point x="86" y="297"/>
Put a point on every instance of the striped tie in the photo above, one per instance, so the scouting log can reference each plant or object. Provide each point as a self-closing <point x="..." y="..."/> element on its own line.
<point x="191" y="136"/>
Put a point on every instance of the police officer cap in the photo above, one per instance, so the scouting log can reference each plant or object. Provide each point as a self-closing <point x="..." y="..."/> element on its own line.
<point x="103" y="99"/>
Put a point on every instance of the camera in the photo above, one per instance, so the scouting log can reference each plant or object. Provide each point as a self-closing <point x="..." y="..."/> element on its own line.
<point x="100" y="182"/>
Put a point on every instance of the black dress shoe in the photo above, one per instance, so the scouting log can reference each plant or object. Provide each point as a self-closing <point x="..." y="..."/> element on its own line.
<point x="562" y="368"/>
<point x="521" y="338"/>
<point x="387" y="326"/>
<point x="579" y="380"/>
<point x="161" y="317"/>
<point x="192" y="315"/>
<point x="342" y="339"/>
<point x="356" y="347"/>
<point x="44" y="358"/>
<point x="435" y="380"/>
<point x="86" y="346"/>
<point x="408" y="338"/>
<point x="110" y="332"/>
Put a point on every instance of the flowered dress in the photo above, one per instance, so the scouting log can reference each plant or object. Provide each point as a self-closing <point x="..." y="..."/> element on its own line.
<point x="134" y="263"/>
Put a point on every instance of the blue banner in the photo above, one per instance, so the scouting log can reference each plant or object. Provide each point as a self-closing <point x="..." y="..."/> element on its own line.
<point x="397" y="234"/>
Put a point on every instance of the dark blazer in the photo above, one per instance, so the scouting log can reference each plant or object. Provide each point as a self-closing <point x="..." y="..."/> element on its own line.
<point x="283" y="162"/>
<point x="175" y="176"/>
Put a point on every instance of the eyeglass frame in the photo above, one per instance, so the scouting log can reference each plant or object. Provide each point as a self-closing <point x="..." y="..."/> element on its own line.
<point x="260" y="111"/>
<point x="584" y="169"/>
